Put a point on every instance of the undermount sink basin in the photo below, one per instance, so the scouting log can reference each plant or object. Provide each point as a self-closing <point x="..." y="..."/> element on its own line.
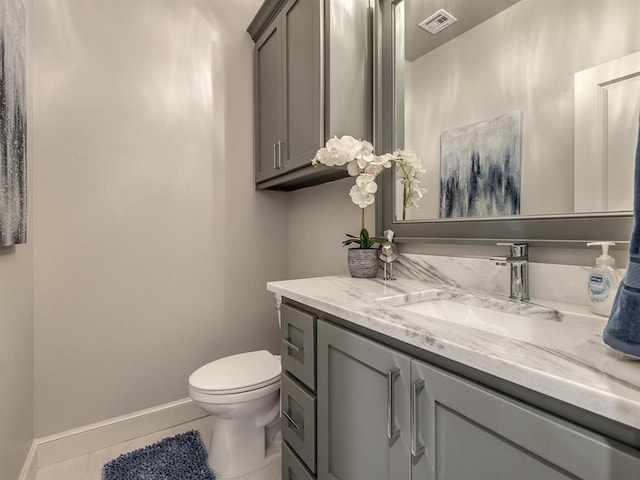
<point x="522" y="321"/>
<point x="506" y="324"/>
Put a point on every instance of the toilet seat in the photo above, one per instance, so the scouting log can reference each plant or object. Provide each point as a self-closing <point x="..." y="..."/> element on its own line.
<point x="242" y="393"/>
<point x="244" y="372"/>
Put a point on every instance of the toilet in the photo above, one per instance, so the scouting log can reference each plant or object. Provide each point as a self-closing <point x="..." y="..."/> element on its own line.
<point x="242" y="393"/>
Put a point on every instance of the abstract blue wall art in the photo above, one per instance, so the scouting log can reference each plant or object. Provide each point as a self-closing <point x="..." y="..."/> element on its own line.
<point x="480" y="168"/>
<point x="13" y="124"/>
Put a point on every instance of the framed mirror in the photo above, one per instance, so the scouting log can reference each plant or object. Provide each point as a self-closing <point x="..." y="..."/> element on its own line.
<point x="524" y="114"/>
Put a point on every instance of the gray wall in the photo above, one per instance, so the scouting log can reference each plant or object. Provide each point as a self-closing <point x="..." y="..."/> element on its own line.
<point x="16" y="328"/>
<point x="16" y="357"/>
<point x="319" y="218"/>
<point x="152" y="247"/>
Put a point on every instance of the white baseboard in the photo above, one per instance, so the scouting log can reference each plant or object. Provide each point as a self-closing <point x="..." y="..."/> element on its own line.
<point x="30" y="467"/>
<point x="80" y="441"/>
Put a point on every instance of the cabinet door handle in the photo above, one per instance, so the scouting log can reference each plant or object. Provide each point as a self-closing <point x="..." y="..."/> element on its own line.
<point x="392" y="431"/>
<point x="275" y="158"/>
<point x="287" y="415"/>
<point x="280" y="144"/>
<point x="292" y="346"/>
<point x="416" y="449"/>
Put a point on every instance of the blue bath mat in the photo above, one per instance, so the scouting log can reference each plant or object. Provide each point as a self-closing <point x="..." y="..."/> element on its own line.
<point x="182" y="457"/>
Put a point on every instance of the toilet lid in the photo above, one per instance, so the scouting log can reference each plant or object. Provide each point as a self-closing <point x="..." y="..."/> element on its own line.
<point x="237" y="373"/>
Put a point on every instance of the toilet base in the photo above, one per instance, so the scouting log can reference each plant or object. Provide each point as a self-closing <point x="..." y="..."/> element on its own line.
<point x="239" y="447"/>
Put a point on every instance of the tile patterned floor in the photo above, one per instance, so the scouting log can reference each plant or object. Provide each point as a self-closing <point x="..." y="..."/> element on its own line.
<point x="89" y="467"/>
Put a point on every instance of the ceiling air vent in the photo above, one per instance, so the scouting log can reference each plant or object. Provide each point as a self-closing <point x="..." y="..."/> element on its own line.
<point x="438" y="21"/>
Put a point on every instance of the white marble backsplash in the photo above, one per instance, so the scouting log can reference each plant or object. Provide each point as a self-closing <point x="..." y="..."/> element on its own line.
<point x="560" y="283"/>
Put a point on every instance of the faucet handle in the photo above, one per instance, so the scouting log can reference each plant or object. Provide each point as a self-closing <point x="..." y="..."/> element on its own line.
<point x="502" y="261"/>
<point x="518" y="249"/>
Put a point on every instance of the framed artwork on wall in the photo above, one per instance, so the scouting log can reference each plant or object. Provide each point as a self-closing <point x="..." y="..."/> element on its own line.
<point x="13" y="124"/>
<point x="480" y="166"/>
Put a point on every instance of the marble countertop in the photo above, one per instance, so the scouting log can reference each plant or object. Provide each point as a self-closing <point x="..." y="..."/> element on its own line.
<point x="570" y="363"/>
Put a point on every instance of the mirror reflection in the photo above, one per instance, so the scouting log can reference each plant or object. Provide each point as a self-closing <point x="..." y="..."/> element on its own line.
<point x="517" y="107"/>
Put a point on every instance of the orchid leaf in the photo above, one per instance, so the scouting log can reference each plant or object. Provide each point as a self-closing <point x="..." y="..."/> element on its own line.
<point x="364" y="237"/>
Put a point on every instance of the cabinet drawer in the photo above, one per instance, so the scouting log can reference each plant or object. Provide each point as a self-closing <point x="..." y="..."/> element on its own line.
<point x="299" y="420"/>
<point x="292" y="467"/>
<point x="298" y="346"/>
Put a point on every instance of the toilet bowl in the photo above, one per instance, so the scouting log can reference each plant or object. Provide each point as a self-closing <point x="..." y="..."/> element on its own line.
<point x="242" y="393"/>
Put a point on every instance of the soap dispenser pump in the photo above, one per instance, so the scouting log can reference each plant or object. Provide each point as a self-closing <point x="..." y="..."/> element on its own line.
<point x="604" y="280"/>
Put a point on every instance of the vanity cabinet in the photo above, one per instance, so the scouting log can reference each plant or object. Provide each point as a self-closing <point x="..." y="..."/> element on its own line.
<point x="385" y="415"/>
<point x="312" y="80"/>
<point x="297" y="392"/>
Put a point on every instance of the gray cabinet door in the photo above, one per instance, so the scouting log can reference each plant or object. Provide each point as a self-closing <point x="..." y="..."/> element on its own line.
<point x="288" y="82"/>
<point x="268" y="106"/>
<point x="472" y="433"/>
<point x="301" y="128"/>
<point x="363" y="416"/>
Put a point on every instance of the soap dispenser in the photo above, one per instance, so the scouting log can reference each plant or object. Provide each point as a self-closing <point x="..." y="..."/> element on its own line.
<point x="604" y="280"/>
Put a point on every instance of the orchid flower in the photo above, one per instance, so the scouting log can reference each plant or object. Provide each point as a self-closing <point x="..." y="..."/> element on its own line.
<point x="361" y="162"/>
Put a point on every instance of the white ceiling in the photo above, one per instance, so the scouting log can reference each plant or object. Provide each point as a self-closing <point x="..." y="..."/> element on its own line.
<point x="468" y="12"/>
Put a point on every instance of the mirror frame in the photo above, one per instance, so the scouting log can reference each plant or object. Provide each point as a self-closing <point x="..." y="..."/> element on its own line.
<point x="562" y="230"/>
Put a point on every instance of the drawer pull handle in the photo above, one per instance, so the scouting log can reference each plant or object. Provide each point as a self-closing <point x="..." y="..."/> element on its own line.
<point x="392" y="431"/>
<point x="293" y="347"/>
<point x="291" y="421"/>
<point x="416" y="449"/>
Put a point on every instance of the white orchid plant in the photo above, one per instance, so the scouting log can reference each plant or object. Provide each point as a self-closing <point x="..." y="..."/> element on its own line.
<point x="363" y="164"/>
<point x="410" y="170"/>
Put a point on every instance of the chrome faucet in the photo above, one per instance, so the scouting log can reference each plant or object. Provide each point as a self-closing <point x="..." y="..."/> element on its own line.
<point x="519" y="262"/>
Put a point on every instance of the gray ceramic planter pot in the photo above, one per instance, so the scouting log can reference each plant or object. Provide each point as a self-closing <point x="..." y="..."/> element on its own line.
<point x="363" y="262"/>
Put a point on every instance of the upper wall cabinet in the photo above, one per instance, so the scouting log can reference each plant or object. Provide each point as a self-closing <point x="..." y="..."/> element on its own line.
<point x="312" y="80"/>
